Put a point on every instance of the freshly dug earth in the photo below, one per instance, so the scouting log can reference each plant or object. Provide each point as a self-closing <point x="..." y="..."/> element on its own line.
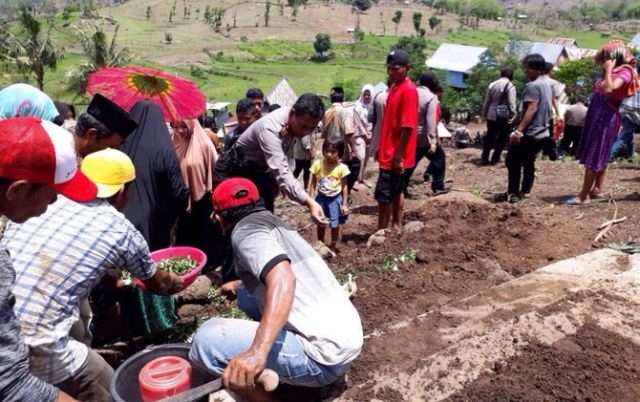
<point x="466" y="240"/>
<point x="592" y="365"/>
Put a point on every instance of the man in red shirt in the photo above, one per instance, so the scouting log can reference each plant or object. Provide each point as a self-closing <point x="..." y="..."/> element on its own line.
<point x="397" y="140"/>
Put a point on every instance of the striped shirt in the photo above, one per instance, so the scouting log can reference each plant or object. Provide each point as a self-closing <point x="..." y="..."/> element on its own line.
<point x="16" y="382"/>
<point x="58" y="258"/>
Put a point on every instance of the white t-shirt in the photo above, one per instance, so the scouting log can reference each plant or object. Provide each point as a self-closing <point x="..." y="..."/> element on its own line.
<point x="322" y="316"/>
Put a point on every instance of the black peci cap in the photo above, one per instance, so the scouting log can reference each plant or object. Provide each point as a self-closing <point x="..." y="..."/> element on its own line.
<point x="399" y="57"/>
<point x="111" y="115"/>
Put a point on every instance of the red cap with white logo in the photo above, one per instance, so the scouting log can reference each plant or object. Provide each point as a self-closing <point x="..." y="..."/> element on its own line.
<point x="41" y="152"/>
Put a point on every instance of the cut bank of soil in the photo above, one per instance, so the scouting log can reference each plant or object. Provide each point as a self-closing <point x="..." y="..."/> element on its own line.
<point x="592" y="365"/>
<point x="463" y="239"/>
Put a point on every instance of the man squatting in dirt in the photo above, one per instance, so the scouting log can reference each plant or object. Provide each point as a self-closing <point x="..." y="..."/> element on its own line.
<point x="397" y="150"/>
<point x="305" y="328"/>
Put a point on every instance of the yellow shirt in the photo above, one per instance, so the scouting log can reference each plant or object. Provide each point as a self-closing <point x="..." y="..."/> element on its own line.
<point x="329" y="182"/>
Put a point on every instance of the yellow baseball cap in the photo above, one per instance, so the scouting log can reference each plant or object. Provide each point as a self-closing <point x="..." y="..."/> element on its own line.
<point x="109" y="169"/>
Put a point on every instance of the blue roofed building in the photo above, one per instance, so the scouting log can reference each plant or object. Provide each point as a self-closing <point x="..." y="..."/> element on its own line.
<point x="458" y="61"/>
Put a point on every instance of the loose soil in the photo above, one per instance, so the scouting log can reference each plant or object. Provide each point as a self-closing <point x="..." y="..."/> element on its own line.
<point x="466" y="238"/>
<point x="592" y="365"/>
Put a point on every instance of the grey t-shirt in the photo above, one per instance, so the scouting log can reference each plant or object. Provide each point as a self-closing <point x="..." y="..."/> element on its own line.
<point x="16" y="381"/>
<point x="538" y="91"/>
<point x="324" y="320"/>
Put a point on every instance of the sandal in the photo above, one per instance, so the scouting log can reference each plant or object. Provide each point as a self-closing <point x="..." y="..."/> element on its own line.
<point x="595" y="196"/>
<point x="575" y="201"/>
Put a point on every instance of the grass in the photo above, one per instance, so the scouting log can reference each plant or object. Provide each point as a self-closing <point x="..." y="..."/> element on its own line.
<point x="592" y="39"/>
<point x="485" y="38"/>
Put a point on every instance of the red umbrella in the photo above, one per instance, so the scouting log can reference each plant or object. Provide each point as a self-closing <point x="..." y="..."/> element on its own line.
<point x="178" y="98"/>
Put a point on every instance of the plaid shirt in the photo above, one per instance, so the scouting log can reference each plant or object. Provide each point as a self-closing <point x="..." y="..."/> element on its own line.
<point x="58" y="258"/>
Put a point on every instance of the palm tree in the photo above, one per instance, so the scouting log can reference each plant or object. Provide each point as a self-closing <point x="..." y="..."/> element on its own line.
<point x="100" y="53"/>
<point x="31" y="51"/>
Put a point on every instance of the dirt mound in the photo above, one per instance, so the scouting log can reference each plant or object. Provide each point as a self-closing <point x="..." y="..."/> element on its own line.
<point x="592" y="365"/>
<point x="456" y="196"/>
<point x="462" y="243"/>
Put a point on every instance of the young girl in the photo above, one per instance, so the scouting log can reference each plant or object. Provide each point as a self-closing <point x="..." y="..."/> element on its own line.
<point x="330" y="176"/>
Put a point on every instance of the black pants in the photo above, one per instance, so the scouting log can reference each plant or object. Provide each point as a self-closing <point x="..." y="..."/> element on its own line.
<point x="521" y="165"/>
<point x="303" y="166"/>
<point x="570" y="140"/>
<point x="354" y="168"/>
<point x="496" y="139"/>
<point x="436" y="168"/>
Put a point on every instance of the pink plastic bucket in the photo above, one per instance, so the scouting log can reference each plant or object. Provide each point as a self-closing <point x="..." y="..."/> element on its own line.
<point x="198" y="256"/>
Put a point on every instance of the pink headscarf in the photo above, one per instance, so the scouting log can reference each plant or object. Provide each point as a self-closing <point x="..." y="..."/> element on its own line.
<point x="197" y="157"/>
<point x="619" y="52"/>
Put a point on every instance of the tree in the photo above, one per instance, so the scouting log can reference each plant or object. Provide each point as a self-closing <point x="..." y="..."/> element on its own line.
<point x="101" y="53"/>
<point x="168" y="38"/>
<point x="32" y="50"/>
<point x="148" y="13"/>
<point x="579" y="76"/>
<point x="362" y="5"/>
<point x="384" y="25"/>
<point x="417" y="20"/>
<point x="216" y="18"/>
<point x="322" y="43"/>
<point x="434" y="22"/>
<point x="208" y="15"/>
<point x="397" y="16"/>
<point x="415" y="46"/>
<point x="267" y="10"/>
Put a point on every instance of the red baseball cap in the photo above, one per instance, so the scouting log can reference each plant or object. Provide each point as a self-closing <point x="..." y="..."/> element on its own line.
<point x="234" y="192"/>
<point x="41" y="152"/>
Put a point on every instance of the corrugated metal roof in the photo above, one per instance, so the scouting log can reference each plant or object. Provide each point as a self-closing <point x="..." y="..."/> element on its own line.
<point x="566" y="42"/>
<point x="458" y="58"/>
<point x="635" y="42"/>
<point x="549" y="51"/>
<point x="578" y="53"/>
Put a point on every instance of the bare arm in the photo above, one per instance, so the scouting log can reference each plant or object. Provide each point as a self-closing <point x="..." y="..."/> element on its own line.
<point x="280" y="284"/>
<point x="608" y="84"/>
<point x="344" y="208"/>
<point x="313" y="183"/>
<point x="405" y="134"/>
<point x="164" y="283"/>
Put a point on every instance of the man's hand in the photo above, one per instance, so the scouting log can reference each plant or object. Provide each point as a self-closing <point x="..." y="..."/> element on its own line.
<point x="178" y="284"/>
<point x="396" y="166"/>
<point x="243" y="369"/>
<point x="229" y="289"/>
<point x="315" y="210"/>
<point x="515" y="137"/>
<point x="432" y="149"/>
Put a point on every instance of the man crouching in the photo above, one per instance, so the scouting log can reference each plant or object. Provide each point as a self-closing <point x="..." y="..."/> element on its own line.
<point x="305" y="327"/>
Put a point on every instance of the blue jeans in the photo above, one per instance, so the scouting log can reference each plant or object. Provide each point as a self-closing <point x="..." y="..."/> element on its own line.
<point x="220" y="339"/>
<point x="625" y="139"/>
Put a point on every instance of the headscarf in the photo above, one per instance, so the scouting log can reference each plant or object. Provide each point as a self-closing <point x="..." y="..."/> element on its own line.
<point x="361" y="110"/>
<point x="159" y="193"/>
<point x="19" y="100"/>
<point x="619" y="52"/>
<point x="197" y="156"/>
